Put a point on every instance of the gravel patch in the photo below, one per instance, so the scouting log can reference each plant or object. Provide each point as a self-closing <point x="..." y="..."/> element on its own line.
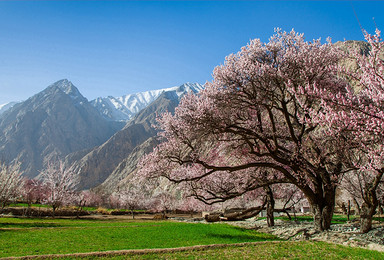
<point x="345" y="234"/>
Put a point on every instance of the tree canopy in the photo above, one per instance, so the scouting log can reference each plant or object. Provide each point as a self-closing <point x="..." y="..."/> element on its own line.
<point x="253" y="126"/>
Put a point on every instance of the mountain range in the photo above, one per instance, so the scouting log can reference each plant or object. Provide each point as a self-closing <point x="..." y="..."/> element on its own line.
<point x="103" y="138"/>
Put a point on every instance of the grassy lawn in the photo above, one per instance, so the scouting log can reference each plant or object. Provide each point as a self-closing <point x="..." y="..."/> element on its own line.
<point x="20" y="237"/>
<point x="25" y="205"/>
<point x="90" y="209"/>
<point x="282" y="250"/>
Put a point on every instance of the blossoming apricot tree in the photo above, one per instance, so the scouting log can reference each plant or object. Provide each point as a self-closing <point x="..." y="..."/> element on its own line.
<point x="10" y="183"/>
<point x="251" y="127"/>
<point x="60" y="182"/>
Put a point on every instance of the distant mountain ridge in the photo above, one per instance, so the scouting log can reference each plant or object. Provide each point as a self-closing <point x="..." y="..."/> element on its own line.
<point x="125" y="107"/>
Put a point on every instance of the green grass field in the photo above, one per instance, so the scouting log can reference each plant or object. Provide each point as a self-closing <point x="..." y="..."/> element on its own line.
<point x="21" y="237"/>
<point x="269" y="250"/>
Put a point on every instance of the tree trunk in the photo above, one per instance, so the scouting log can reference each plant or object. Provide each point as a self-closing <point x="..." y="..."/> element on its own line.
<point x="368" y="209"/>
<point x="366" y="214"/>
<point x="283" y="210"/>
<point x="323" y="205"/>
<point x="348" y="209"/>
<point x="322" y="216"/>
<point x="53" y="211"/>
<point x="370" y="202"/>
<point x="357" y="206"/>
<point x="241" y="215"/>
<point x="270" y="206"/>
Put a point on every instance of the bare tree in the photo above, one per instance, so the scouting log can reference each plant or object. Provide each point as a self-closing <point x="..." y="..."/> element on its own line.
<point x="10" y="183"/>
<point x="133" y="198"/>
<point x="60" y="182"/>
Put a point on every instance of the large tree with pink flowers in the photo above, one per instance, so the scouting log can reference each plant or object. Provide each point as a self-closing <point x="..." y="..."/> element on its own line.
<point x="253" y="126"/>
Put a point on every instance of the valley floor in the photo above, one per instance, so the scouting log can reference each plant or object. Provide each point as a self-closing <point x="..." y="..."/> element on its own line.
<point x="119" y="237"/>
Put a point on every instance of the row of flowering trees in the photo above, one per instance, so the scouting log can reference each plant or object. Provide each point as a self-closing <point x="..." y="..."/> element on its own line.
<point x="56" y="187"/>
<point x="284" y="111"/>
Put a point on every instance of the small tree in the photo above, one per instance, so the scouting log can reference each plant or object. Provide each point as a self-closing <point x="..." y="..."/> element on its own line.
<point x="10" y="183"/>
<point x="133" y="198"/>
<point x="164" y="202"/>
<point x="30" y="192"/>
<point x="33" y="191"/>
<point x="84" y="198"/>
<point x="90" y="198"/>
<point x="114" y="200"/>
<point x="60" y="182"/>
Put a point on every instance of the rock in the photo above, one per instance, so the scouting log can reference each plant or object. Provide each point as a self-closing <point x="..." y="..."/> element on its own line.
<point x="212" y="218"/>
<point x="160" y="217"/>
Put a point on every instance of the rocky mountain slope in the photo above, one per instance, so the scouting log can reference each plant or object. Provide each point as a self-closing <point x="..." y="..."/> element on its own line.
<point x="51" y="124"/>
<point x="125" y="147"/>
<point x="122" y="175"/>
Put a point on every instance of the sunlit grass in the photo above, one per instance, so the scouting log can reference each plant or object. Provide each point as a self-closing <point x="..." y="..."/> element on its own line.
<point x="20" y="237"/>
<point x="282" y="250"/>
<point x="33" y="236"/>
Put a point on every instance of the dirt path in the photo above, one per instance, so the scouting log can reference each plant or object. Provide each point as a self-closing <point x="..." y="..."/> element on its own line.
<point x="139" y="251"/>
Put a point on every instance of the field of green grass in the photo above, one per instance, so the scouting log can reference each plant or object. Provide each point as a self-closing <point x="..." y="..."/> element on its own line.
<point x="268" y="250"/>
<point x="20" y="237"/>
<point x="90" y="209"/>
<point x="24" y="236"/>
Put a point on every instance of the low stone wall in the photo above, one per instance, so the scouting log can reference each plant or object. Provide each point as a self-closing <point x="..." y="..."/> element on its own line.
<point x="42" y="212"/>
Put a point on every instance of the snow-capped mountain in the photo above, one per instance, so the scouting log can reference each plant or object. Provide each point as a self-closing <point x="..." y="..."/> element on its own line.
<point x="125" y="107"/>
<point x="5" y="107"/>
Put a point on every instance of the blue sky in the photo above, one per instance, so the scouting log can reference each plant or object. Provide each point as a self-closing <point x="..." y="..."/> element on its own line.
<point x="121" y="47"/>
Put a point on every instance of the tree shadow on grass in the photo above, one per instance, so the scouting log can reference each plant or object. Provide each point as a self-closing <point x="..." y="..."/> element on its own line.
<point x="6" y="225"/>
<point x="242" y="237"/>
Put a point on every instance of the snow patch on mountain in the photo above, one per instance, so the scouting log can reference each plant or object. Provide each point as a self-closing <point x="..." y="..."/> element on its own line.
<point x="125" y="107"/>
<point x="6" y="106"/>
<point x="68" y="88"/>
